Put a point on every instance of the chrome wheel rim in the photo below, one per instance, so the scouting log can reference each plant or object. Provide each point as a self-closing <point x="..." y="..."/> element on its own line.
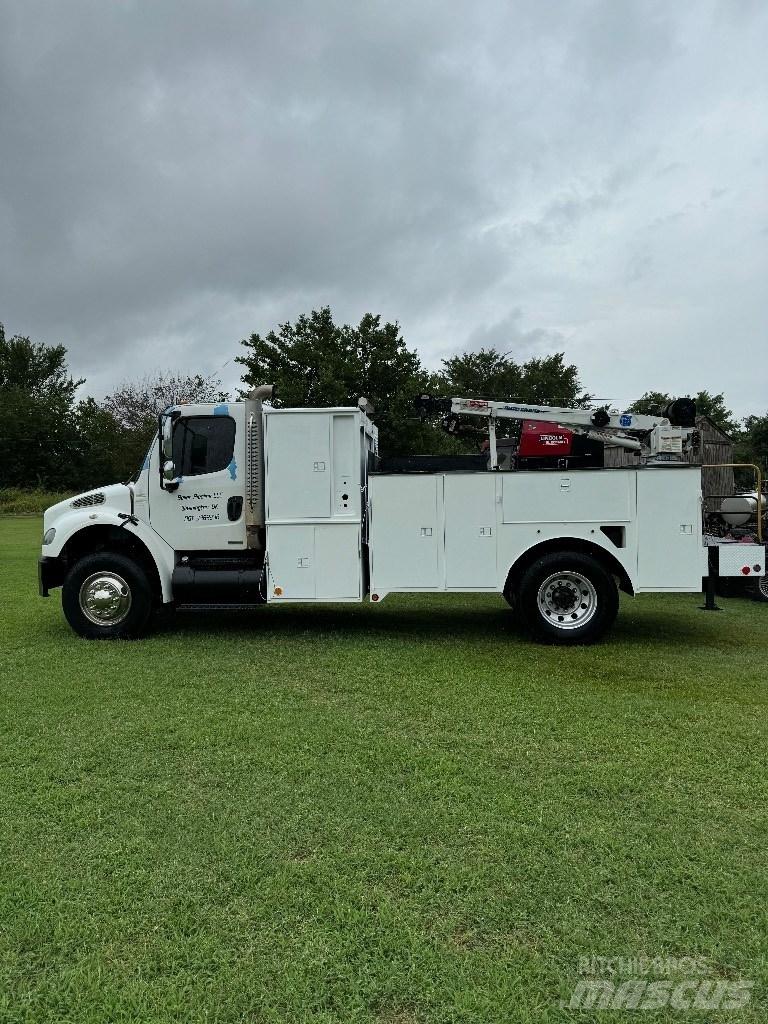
<point x="567" y="599"/>
<point x="105" y="598"/>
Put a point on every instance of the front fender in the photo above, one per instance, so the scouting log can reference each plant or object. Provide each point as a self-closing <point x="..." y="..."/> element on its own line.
<point x="71" y="523"/>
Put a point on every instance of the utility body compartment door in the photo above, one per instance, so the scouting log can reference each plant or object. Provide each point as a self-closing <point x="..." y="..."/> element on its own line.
<point x="298" y="462"/>
<point x="291" y="561"/>
<point x="314" y="465"/>
<point x="579" y="496"/>
<point x="669" y="542"/>
<point x="470" y="531"/>
<point x="314" y="562"/>
<point x="406" y="533"/>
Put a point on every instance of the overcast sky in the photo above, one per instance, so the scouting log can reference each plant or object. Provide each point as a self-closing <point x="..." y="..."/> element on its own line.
<point x="537" y="175"/>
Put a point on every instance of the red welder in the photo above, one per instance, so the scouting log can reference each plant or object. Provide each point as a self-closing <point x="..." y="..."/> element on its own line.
<point x="546" y="445"/>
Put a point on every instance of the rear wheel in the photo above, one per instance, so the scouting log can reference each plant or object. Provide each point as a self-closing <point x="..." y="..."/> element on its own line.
<point x="567" y="597"/>
<point x="760" y="589"/>
<point x="107" y="596"/>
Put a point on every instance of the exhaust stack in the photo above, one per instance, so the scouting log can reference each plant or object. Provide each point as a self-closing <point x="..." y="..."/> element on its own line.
<point x="254" y="446"/>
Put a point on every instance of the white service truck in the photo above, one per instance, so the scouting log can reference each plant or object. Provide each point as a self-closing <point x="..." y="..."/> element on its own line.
<point x="242" y="504"/>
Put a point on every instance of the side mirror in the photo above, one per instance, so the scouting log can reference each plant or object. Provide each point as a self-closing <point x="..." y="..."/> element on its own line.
<point x="168" y="479"/>
<point x="166" y="437"/>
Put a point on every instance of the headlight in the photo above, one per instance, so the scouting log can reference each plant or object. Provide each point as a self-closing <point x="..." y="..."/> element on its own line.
<point x="49" y="535"/>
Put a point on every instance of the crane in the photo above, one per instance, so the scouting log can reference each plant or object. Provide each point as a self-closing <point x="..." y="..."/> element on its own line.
<point x="665" y="437"/>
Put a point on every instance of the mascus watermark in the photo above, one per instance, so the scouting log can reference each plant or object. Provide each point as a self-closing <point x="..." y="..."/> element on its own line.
<point x="654" y="983"/>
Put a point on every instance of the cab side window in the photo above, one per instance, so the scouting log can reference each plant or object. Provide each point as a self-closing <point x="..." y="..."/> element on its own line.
<point x="203" y="444"/>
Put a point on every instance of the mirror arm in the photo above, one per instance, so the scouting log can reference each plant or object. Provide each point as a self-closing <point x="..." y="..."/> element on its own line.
<point x="160" y="449"/>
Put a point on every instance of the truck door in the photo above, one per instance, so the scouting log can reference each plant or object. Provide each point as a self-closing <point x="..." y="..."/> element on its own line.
<point x="205" y="511"/>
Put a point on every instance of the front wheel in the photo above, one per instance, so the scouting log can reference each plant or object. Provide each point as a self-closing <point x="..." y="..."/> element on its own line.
<point x="107" y="596"/>
<point x="567" y="597"/>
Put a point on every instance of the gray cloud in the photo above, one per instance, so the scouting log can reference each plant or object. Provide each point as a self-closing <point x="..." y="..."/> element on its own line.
<point x="586" y="175"/>
<point x="507" y="336"/>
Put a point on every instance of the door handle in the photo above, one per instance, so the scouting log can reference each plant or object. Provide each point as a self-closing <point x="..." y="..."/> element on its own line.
<point x="234" y="508"/>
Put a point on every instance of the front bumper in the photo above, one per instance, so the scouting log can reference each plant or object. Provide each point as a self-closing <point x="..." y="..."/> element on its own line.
<point x="50" y="574"/>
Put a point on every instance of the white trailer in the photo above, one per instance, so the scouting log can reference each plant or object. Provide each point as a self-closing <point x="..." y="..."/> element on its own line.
<point x="241" y="504"/>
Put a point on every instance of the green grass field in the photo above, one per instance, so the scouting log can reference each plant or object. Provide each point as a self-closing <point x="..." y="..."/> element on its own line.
<point x="16" y="502"/>
<point x="397" y="814"/>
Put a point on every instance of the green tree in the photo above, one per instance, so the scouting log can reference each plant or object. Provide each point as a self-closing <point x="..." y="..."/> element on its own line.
<point x="752" y="444"/>
<point x="391" y="376"/>
<point x="102" y="455"/>
<point x="707" y="404"/>
<point x="309" y="362"/>
<point x="316" y="362"/>
<point x="546" y="380"/>
<point x="38" y="433"/>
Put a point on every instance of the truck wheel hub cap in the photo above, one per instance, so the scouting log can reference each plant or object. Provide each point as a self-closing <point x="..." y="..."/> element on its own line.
<point x="105" y="598"/>
<point x="567" y="600"/>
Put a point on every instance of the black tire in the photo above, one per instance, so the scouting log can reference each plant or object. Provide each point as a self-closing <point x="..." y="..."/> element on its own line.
<point x="110" y="587"/>
<point x="567" y="597"/>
